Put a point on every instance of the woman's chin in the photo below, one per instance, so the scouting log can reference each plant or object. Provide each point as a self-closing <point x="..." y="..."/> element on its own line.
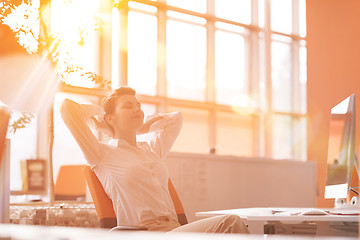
<point x="137" y="127"/>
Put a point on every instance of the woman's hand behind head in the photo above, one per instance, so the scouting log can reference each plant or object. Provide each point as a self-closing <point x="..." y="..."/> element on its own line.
<point x="103" y="127"/>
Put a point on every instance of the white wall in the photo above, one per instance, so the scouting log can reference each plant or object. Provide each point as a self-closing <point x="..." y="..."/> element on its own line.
<point x="211" y="182"/>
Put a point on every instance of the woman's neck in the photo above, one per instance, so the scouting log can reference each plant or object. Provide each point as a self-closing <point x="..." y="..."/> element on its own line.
<point x="129" y="137"/>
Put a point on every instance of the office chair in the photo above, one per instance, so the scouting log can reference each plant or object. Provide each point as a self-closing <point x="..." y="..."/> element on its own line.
<point x="104" y="207"/>
<point x="70" y="183"/>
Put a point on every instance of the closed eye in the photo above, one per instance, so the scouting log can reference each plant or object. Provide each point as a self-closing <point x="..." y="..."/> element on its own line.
<point x="127" y="105"/>
<point x="130" y="105"/>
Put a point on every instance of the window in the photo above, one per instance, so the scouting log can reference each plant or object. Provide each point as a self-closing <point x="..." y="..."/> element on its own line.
<point x="231" y="73"/>
<point x="23" y="127"/>
<point x="236" y="69"/>
<point x="235" y="134"/>
<point x="23" y="146"/>
<point x="65" y="149"/>
<point x="77" y="44"/>
<point x="142" y="55"/>
<point x="185" y="58"/>
<point x="234" y="10"/>
<point x="73" y="40"/>
<point x="194" y="121"/>
<point x="281" y="70"/>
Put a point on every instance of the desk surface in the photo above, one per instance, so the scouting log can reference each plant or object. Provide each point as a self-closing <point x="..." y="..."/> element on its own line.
<point x="256" y="218"/>
<point x="271" y="214"/>
<point x="26" y="232"/>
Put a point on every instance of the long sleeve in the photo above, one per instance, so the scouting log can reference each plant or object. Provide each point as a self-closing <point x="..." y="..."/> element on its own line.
<point x="166" y="131"/>
<point x="75" y="117"/>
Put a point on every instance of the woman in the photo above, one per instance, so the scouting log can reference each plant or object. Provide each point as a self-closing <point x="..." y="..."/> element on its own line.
<point x="132" y="173"/>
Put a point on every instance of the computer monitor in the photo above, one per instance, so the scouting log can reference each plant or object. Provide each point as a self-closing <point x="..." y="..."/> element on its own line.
<point x="341" y="149"/>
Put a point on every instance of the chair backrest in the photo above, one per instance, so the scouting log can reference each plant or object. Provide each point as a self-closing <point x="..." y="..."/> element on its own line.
<point x="103" y="204"/>
<point x="104" y="207"/>
<point x="177" y="203"/>
<point x="70" y="183"/>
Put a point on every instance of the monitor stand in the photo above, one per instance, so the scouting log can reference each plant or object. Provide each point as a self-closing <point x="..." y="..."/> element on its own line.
<point x="340" y="203"/>
<point x="356" y="164"/>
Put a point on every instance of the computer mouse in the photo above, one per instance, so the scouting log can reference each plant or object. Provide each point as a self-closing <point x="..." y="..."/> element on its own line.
<point x="314" y="211"/>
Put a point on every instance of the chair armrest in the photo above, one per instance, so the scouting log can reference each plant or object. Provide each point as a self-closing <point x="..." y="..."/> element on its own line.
<point x="129" y="228"/>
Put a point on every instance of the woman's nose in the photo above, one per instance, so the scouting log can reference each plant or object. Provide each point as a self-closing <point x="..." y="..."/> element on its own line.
<point x="137" y="109"/>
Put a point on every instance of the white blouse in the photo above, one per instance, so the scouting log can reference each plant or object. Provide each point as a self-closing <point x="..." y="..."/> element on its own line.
<point x="135" y="178"/>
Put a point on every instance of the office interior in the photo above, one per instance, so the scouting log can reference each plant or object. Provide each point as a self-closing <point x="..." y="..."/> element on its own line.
<point x="255" y="87"/>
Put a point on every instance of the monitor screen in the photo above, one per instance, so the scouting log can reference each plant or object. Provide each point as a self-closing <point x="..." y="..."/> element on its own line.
<point x="341" y="149"/>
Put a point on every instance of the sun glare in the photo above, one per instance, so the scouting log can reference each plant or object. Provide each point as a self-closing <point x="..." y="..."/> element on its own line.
<point x="75" y="24"/>
<point x="244" y="105"/>
<point x="32" y="88"/>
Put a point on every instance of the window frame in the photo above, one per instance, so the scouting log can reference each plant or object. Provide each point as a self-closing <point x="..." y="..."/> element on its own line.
<point x="263" y="124"/>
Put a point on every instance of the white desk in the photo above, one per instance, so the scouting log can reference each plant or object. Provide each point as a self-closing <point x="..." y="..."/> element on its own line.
<point x="30" y="232"/>
<point x="255" y="218"/>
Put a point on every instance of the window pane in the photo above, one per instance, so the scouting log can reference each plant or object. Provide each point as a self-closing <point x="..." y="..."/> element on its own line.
<point x="115" y="51"/>
<point x="77" y="37"/>
<point x="196" y="6"/>
<point x="235" y="134"/>
<point x="281" y="16"/>
<point x="302" y="12"/>
<point x="235" y="10"/>
<point x="142" y="53"/>
<point x="282" y="138"/>
<point x="194" y="135"/>
<point x="229" y="67"/>
<point x="66" y="151"/>
<point x="185" y="60"/>
<point x="281" y="76"/>
<point x="148" y="110"/>
<point x="300" y="139"/>
<point x="261" y="13"/>
<point x="23" y="145"/>
<point x="303" y="78"/>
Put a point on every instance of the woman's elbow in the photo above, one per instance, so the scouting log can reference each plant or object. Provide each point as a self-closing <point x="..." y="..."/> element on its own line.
<point x="67" y="107"/>
<point x="179" y="118"/>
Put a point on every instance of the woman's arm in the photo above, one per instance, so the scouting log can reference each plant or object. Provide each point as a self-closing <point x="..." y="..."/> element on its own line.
<point x="150" y="120"/>
<point x="167" y="127"/>
<point x="76" y="118"/>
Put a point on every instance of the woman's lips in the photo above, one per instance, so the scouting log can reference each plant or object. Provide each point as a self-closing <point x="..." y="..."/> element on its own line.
<point x="137" y="116"/>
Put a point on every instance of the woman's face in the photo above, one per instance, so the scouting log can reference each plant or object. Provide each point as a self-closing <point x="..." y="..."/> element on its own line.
<point x="127" y="114"/>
